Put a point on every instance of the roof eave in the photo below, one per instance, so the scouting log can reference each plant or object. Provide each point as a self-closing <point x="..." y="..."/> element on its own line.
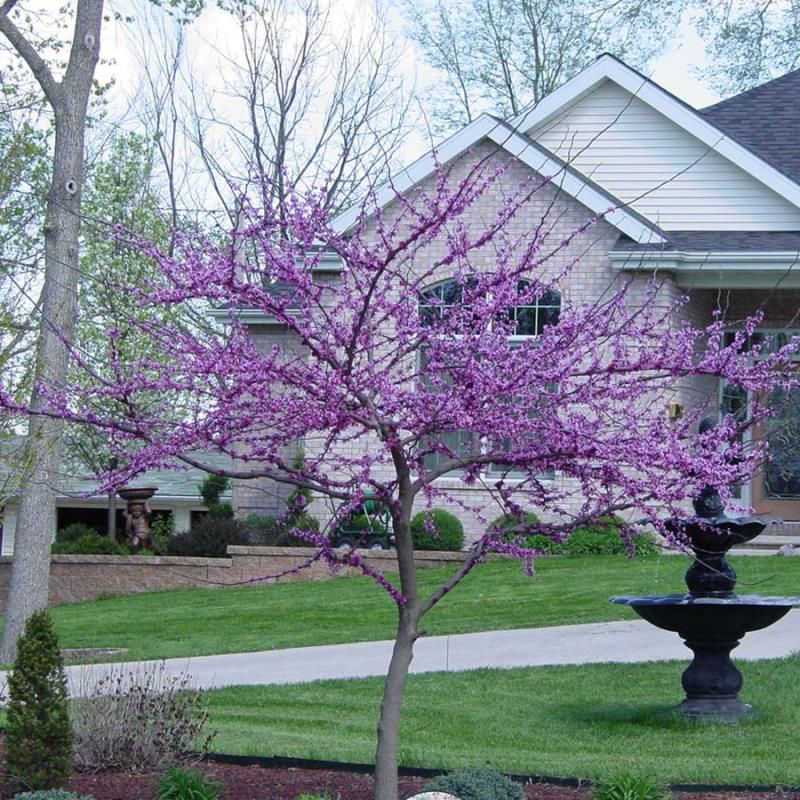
<point x="716" y="269"/>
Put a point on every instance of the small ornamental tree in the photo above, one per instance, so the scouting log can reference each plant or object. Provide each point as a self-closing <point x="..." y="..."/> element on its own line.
<point x="390" y="382"/>
<point x="38" y="731"/>
<point x="211" y="490"/>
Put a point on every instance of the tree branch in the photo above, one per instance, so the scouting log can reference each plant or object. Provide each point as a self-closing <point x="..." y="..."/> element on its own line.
<point x="40" y="70"/>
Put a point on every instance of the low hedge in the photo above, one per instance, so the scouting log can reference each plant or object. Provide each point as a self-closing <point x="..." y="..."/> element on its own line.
<point x="82" y="540"/>
<point x="209" y="538"/>
<point x="603" y="538"/>
<point x="599" y="538"/>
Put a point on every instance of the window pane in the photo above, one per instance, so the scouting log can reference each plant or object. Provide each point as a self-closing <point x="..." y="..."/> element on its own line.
<point x="526" y="321"/>
<point x="452" y="293"/>
<point x="459" y="443"/>
<point x="548" y="315"/>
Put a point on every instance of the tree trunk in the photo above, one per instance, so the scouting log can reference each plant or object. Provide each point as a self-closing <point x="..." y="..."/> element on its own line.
<point x="69" y="99"/>
<point x="407" y="633"/>
<point x="391" y="706"/>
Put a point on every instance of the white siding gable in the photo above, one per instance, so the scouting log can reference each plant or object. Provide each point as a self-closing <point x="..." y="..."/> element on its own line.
<point x="665" y="173"/>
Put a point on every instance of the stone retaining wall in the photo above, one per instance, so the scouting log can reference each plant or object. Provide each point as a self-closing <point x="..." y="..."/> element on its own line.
<point x="74" y="579"/>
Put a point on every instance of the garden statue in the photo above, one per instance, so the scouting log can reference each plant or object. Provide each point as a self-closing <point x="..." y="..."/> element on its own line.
<point x="137" y="518"/>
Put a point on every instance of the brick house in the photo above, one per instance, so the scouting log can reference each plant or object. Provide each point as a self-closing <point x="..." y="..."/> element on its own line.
<point x="709" y="199"/>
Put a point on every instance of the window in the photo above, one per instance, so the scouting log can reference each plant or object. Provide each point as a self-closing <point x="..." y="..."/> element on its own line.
<point x="529" y="319"/>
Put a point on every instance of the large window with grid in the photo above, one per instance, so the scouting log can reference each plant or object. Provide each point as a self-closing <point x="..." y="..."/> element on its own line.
<point x="529" y="319"/>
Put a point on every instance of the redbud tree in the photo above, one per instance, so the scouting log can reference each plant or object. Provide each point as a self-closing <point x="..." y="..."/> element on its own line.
<point x="566" y="416"/>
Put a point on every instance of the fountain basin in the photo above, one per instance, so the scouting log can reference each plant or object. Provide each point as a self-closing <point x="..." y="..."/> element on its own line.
<point x="715" y="617"/>
<point x="711" y="628"/>
<point x="137" y="493"/>
<point x="719" y="533"/>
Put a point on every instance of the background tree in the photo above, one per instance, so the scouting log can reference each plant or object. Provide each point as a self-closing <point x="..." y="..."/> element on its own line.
<point x="748" y="42"/>
<point x="500" y="56"/>
<point x="68" y="99"/>
<point x="303" y="89"/>
<point x="119" y="191"/>
<point x="376" y="375"/>
<point x="25" y="141"/>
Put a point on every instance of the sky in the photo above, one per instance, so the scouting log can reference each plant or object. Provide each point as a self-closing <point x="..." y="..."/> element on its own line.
<point x="673" y="70"/>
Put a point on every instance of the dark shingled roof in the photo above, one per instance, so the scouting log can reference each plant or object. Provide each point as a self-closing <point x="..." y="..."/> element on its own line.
<point x="716" y="241"/>
<point x="766" y="120"/>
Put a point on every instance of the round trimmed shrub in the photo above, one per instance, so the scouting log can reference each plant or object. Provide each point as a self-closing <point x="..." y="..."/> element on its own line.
<point x="449" y="530"/>
<point x="480" y="783"/>
<point x="508" y="521"/>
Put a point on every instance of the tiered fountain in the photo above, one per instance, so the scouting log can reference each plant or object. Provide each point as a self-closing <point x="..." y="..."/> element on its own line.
<point x="711" y="618"/>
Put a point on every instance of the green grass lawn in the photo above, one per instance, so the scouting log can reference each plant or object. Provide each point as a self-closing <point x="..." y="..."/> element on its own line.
<point x="497" y="595"/>
<point x="575" y="721"/>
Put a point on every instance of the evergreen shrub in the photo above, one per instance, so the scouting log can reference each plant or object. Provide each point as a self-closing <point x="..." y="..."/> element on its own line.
<point x="38" y="732"/>
<point x="210" y="490"/>
<point x="534" y="541"/>
<point x="73" y="532"/>
<point x="449" y="530"/>
<point x="265" y="531"/>
<point x="480" y="783"/>
<point x="52" y="794"/>
<point x="91" y="543"/>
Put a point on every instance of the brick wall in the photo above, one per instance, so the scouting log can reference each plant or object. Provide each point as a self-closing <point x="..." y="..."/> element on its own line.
<point x="75" y="579"/>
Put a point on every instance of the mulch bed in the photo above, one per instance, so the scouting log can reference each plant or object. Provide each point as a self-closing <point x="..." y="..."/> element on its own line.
<point x="286" y="783"/>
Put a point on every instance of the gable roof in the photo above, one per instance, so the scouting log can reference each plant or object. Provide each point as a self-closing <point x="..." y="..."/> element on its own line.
<point x="609" y="68"/>
<point x="766" y="120"/>
<point x="538" y="158"/>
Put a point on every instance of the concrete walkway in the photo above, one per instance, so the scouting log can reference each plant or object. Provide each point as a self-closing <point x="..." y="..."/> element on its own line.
<point x="630" y="641"/>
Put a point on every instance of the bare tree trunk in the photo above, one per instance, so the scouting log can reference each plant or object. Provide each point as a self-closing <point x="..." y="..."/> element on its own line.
<point x="386" y="787"/>
<point x="409" y="614"/>
<point x="69" y="100"/>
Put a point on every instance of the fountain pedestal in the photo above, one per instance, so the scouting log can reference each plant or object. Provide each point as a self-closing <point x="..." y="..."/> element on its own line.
<point x="711" y="628"/>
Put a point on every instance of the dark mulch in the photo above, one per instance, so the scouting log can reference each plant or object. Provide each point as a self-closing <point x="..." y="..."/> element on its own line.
<point x="286" y="783"/>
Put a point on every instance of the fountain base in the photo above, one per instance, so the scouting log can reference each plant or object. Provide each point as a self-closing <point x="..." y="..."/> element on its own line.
<point x="715" y="709"/>
<point x="711" y="627"/>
